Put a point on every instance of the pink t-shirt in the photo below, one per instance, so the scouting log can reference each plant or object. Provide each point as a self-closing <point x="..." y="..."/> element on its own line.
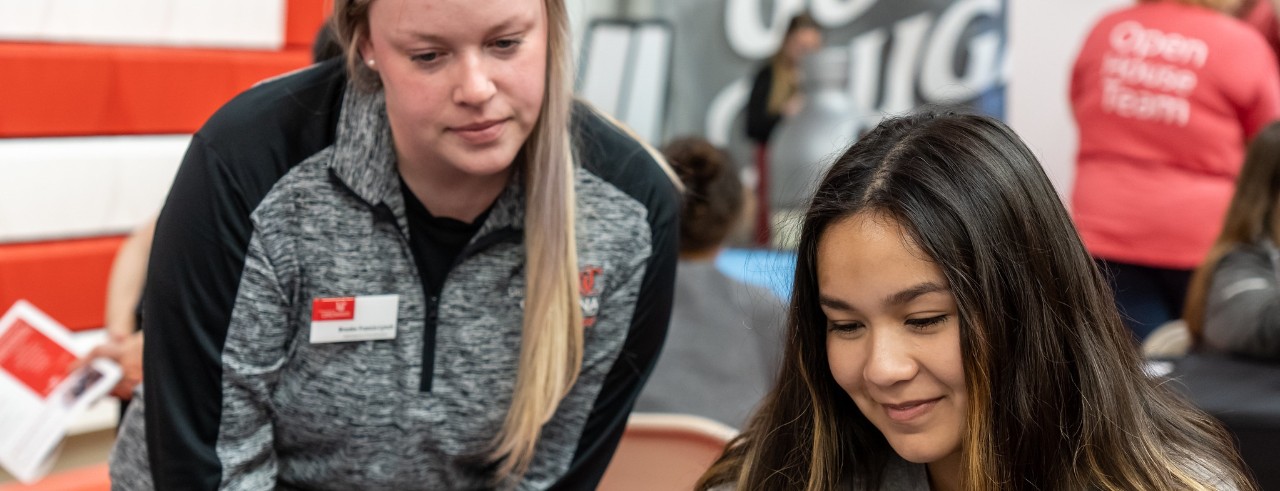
<point x="1262" y="16"/>
<point x="1165" y="96"/>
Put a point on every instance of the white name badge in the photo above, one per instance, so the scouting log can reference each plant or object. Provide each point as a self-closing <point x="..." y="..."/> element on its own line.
<point x="363" y="318"/>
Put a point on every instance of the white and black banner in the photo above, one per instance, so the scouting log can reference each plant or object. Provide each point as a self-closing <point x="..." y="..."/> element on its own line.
<point x="903" y="54"/>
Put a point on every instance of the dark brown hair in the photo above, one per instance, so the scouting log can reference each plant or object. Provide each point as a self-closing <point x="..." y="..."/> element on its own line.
<point x="326" y="44"/>
<point x="800" y="21"/>
<point x="713" y="193"/>
<point x="1251" y="217"/>
<point x="1057" y="398"/>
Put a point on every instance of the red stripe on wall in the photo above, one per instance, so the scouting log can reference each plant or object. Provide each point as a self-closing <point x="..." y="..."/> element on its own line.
<point x="302" y="21"/>
<point x="66" y="279"/>
<point x="83" y="90"/>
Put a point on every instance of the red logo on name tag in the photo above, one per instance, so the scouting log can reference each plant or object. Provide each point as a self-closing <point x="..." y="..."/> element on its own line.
<point x="333" y="309"/>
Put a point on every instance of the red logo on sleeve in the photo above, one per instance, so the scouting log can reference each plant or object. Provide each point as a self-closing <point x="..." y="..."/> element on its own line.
<point x="589" y="293"/>
<point x="587" y="280"/>
<point x="333" y="309"/>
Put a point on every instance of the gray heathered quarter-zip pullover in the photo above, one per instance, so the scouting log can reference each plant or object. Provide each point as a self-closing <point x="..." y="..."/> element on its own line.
<point x="288" y="195"/>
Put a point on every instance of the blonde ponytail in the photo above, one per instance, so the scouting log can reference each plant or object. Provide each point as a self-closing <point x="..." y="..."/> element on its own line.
<point x="552" y="341"/>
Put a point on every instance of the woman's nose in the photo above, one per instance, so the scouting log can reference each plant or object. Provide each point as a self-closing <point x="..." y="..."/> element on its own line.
<point x="474" y="85"/>
<point x="889" y="359"/>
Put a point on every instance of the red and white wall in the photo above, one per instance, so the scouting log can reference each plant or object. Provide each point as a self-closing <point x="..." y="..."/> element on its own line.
<point x="98" y="101"/>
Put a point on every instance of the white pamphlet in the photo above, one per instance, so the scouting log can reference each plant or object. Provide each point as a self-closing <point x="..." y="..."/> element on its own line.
<point x="39" y="395"/>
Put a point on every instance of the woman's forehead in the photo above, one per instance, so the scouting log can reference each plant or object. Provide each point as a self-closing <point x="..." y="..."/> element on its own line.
<point x="445" y="19"/>
<point x="870" y="255"/>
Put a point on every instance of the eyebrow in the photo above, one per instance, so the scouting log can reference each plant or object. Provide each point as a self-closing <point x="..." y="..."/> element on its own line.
<point x="513" y="22"/>
<point x="896" y="299"/>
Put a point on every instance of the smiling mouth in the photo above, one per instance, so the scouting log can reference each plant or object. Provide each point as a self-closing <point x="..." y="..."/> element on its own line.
<point x="911" y="410"/>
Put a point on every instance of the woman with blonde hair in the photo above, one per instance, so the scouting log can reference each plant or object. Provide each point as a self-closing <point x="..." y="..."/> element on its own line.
<point x="948" y="331"/>
<point x="1233" y="305"/>
<point x="777" y="93"/>
<point x="423" y="268"/>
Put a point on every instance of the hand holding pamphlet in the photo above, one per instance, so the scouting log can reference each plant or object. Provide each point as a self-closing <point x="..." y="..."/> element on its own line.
<point x="39" y="393"/>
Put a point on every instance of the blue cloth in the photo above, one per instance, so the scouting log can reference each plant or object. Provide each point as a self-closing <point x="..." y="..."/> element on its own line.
<point x="767" y="268"/>
<point x="1146" y="296"/>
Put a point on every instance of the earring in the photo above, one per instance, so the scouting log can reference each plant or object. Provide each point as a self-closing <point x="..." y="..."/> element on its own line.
<point x="370" y="63"/>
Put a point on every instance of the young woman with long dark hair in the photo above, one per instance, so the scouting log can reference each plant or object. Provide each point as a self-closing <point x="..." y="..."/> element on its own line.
<point x="948" y="330"/>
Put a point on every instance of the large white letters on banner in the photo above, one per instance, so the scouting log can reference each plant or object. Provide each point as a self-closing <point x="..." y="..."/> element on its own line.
<point x="749" y="35"/>
<point x="839" y="12"/>
<point x="908" y="38"/>
<point x="726" y="106"/>
<point x="901" y="54"/>
<point x="864" y="69"/>
<point x="938" y="81"/>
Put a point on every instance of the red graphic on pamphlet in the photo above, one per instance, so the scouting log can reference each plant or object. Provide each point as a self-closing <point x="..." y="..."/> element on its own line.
<point x="35" y="360"/>
<point x="333" y="309"/>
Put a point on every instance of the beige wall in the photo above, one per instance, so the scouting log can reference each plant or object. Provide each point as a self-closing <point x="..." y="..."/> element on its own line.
<point x="1044" y="36"/>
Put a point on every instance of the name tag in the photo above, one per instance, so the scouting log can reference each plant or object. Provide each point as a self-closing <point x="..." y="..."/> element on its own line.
<point x="363" y="318"/>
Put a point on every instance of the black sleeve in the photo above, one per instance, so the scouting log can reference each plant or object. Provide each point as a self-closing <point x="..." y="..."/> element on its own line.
<point x="760" y="122"/>
<point x="648" y="330"/>
<point x="194" y="272"/>
<point x="198" y="255"/>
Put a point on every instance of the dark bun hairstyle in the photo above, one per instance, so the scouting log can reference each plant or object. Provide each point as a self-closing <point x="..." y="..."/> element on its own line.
<point x="713" y="197"/>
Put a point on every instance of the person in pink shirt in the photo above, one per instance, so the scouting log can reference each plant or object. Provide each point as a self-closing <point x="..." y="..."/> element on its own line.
<point x="1261" y="14"/>
<point x="1165" y="94"/>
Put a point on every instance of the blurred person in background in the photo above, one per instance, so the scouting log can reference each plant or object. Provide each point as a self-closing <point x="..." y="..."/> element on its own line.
<point x="1165" y="95"/>
<point x="123" y="315"/>
<point x="725" y="339"/>
<point x="777" y="93"/>
<point x="1261" y="14"/>
<point x="1233" y="305"/>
